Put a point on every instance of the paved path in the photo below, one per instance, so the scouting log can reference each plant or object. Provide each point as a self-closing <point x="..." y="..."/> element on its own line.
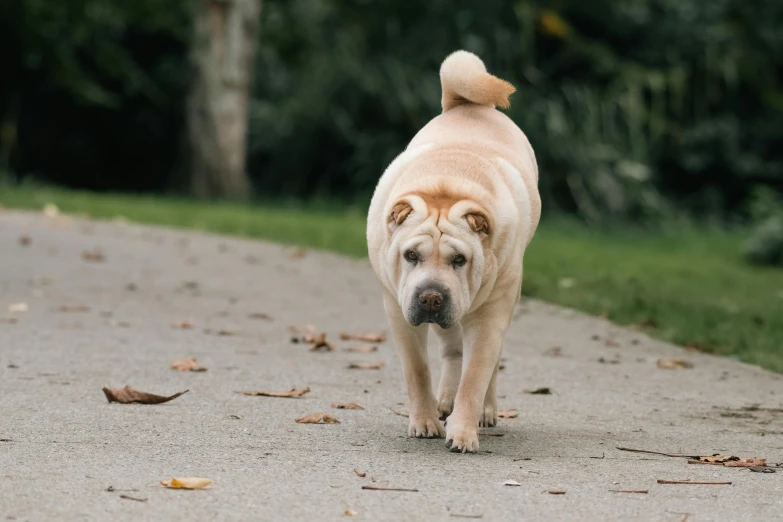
<point x="62" y="445"/>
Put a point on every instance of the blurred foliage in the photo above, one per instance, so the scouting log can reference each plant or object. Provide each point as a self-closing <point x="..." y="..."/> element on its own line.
<point x="765" y="245"/>
<point x="635" y="108"/>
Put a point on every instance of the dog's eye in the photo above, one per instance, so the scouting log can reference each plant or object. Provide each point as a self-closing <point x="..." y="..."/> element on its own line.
<point x="411" y="256"/>
<point x="458" y="261"/>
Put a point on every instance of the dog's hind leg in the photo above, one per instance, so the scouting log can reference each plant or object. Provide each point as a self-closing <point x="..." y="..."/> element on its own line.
<point x="451" y="370"/>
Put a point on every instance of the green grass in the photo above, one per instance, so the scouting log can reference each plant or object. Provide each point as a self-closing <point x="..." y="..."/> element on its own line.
<point x="688" y="286"/>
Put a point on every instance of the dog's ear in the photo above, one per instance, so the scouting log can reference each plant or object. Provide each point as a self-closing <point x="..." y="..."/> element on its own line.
<point x="399" y="213"/>
<point x="478" y="223"/>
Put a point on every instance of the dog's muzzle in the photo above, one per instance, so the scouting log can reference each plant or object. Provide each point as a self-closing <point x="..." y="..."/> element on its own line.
<point x="431" y="304"/>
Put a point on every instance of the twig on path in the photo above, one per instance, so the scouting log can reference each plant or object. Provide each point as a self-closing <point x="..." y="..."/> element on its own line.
<point x="690" y="482"/>
<point x="398" y="413"/>
<point x="128" y="497"/>
<point x="629" y="491"/>
<point x="677" y="455"/>
<point x="376" y="488"/>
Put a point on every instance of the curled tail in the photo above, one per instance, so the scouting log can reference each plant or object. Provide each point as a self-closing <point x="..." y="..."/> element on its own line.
<point x="464" y="79"/>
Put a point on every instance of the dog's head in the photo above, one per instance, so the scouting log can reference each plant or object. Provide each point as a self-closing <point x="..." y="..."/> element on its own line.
<point x="438" y="255"/>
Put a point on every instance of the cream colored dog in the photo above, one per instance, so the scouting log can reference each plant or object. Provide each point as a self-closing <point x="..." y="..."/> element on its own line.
<point x="447" y="231"/>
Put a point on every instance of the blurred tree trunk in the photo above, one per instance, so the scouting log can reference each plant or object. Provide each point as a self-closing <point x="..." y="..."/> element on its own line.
<point x="223" y="48"/>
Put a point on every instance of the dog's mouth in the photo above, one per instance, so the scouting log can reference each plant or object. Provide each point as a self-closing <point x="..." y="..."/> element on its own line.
<point x="419" y="317"/>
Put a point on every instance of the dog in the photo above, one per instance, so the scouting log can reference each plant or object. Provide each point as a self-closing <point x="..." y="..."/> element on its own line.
<point x="447" y="229"/>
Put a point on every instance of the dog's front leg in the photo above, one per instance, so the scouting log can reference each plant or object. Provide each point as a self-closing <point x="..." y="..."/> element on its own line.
<point x="411" y="342"/>
<point x="484" y="334"/>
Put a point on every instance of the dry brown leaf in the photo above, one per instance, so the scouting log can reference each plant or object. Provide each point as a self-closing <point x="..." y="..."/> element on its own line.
<point x="674" y="364"/>
<point x="367" y="348"/>
<point x="74" y="308"/>
<point x="362" y="474"/>
<point x="188" y="365"/>
<point x="713" y="459"/>
<point x="751" y="462"/>
<point x="319" y="342"/>
<point x="25" y="240"/>
<point x="260" y="315"/>
<point x="128" y="395"/>
<point x="366" y="366"/>
<point x="186" y="483"/>
<point x="539" y="391"/>
<point x="93" y="256"/>
<point x="226" y="333"/>
<point x="556" y="492"/>
<point x="317" y="418"/>
<point x="183" y="325"/>
<point x="18" y="308"/>
<point x="379" y="337"/>
<point x="293" y="392"/>
<point x="508" y="414"/>
<point x="350" y="512"/>
<point x="346" y="406"/>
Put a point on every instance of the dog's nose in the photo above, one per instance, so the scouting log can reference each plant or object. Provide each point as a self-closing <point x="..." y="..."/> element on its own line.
<point x="431" y="300"/>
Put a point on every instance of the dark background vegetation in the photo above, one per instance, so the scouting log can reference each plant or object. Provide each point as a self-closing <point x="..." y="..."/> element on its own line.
<point x="636" y="109"/>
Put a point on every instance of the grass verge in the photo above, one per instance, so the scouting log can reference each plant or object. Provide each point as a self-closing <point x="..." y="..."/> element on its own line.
<point x="689" y="287"/>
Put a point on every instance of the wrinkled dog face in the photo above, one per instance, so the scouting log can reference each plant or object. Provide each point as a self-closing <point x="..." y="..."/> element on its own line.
<point x="436" y="259"/>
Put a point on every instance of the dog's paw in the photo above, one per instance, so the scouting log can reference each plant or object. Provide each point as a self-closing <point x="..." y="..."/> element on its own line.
<point x="445" y="407"/>
<point x="489" y="416"/>
<point x="460" y="439"/>
<point x="425" y="427"/>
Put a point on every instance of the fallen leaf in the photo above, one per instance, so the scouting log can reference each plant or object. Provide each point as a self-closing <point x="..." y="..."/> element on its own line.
<point x="18" y="308"/>
<point x="751" y="462"/>
<point x="183" y="325"/>
<point x="539" y="391"/>
<point x="128" y="395"/>
<point x="74" y="308"/>
<point x="226" y="333"/>
<point x="319" y="343"/>
<point x="361" y="474"/>
<point x="511" y="483"/>
<point x="186" y="483"/>
<point x="128" y="497"/>
<point x="346" y="406"/>
<point x="508" y="414"/>
<point x="317" y="418"/>
<point x="556" y="492"/>
<point x="93" y="256"/>
<point x="293" y="392"/>
<point x="367" y="348"/>
<point x="761" y="469"/>
<point x="608" y="361"/>
<point x="713" y="459"/>
<point x="674" y="364"/>
<point x="187" y="365"/>
<point x="25" y="240"/>
<point x="366" y="366"/>
<point x="260" y="315"/>
<point x="350" y="513"/>
<point x="379" y="337"/>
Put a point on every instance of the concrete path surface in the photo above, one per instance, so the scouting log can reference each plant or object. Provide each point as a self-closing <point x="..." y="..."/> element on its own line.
<point x="102" y="299"/>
